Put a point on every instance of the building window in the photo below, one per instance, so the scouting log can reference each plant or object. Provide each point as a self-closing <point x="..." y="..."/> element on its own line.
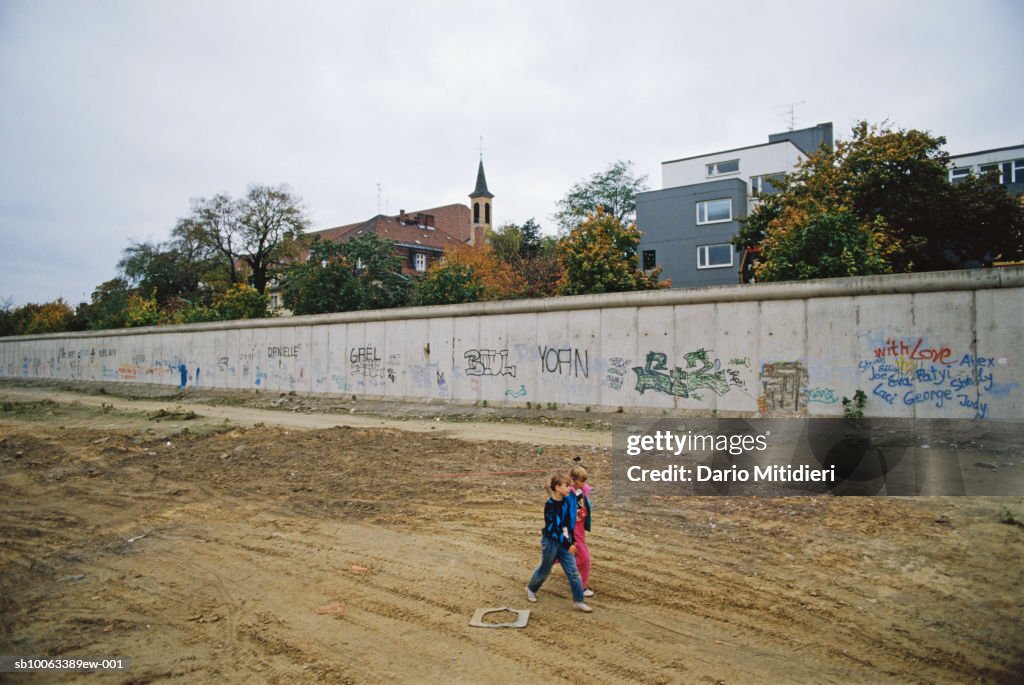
<point x="487" y="213"/>
<point x="476" y="212"/>
<point x="650" y="261"/>
<point x="958" y="174"/>
<point x="722" y="168"/>
<point x="988" y="168"/>
<point x="714" y="256"/>
<point x="714" y="211"/>
<point x="764" y="183"/>
<point x="1018" y="171"/>
<point x="420" y="261"/>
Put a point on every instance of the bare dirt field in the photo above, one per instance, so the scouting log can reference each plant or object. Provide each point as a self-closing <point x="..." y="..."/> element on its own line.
<point x="289" y="540"/>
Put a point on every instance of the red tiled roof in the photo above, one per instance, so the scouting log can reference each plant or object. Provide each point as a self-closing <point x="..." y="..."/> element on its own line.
<point x="451" y="226"/>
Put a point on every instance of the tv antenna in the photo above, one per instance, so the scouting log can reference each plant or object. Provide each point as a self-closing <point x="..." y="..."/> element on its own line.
<point x="791" y="109"/>
<point x="380" y="198"/>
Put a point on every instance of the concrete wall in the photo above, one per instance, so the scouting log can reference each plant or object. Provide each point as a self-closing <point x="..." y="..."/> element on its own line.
<point x="929" y="346"/>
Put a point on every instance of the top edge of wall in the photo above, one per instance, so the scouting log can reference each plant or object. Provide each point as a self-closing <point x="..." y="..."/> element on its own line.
<point x="895" y="284"/>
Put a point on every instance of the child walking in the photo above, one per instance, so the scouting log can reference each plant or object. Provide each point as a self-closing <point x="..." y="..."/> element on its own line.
<point x="557" y="541"/>
<point x="581" y="490"/>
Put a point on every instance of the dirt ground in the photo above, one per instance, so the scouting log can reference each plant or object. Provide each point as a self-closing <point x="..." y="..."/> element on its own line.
<point x="282" y="539"/>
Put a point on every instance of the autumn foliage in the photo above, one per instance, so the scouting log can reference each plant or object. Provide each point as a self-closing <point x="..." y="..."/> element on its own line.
<point x="600" y="256"/>
<point x="469" y="274"/>
<point x="880" y="202"/>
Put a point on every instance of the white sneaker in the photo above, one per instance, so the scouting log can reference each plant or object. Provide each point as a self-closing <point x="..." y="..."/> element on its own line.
<point x="580" y="606"/>
<point x="530" y="594"/>
<point x="588" y="593"/>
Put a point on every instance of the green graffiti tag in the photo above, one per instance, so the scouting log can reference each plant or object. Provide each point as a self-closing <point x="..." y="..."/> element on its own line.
<point x="655" y="375"/>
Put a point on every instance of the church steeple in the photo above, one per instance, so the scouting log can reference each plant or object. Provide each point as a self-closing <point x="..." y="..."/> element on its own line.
<point x="481" y="199"/>
<point x="481" y="183"/>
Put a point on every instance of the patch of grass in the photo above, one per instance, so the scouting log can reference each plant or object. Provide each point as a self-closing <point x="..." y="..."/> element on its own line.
<point x="1006" y="516"/>
<point x="176" y="414"/>
<point x="31" y="410"/>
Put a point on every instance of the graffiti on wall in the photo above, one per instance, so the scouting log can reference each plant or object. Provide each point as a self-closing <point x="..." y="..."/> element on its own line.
<point x="913" y="350"/>
<point x="700" y="373"/>
<point x="616" y="373"/>
<point x="366" y="362"/>
<point x="515" y="394"/>
<point x="394" y="362"/>
<point x="564" y="361"/>
<point x="274" y="351"/>
<point x="783" y="388"/>
<point x="822" y="395"/>
<point x="489" y="363"/>
<point x="911" y="372"/>
<point x="430" y="378"/>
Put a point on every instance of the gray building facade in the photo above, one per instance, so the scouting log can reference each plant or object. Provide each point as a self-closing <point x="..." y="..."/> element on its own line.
<point x="687" y="227"/>
<point x="684" y="236"/>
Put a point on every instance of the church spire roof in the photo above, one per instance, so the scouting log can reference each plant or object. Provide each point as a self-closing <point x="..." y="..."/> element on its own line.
<point x="481" y="183"/>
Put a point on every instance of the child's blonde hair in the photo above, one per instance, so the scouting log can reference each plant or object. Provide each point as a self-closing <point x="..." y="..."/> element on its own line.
<point x="578" y="474"/>
<point x="556" y="480"/>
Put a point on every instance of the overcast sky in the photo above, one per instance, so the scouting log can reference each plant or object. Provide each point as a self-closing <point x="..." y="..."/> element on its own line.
<point x="115" y="114"/>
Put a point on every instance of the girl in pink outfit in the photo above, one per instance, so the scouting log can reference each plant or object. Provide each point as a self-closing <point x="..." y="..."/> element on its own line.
<point x="581" y="490"/>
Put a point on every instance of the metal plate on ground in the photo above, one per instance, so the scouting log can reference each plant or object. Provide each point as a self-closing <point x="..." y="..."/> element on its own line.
<point x="522" y="616"/>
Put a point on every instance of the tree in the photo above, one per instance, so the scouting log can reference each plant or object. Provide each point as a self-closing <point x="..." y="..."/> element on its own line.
<point x="450" y="284"/>
<point x="363" y="273"/>
<point x="171" y="271"/>
<point x="531" y="239"/>
<point x="507" y="242"/>
<point x="543" y="271"/>
<point x="213" y="225"/>
<point x="142" y="311"/>
<point x="261" y="231"/>
<point x="108" y="306"/>
<point x="824" y="246"/>
<point x="469" y="274"/>
<point x="893" y="185"/>
<point x="35" y="319"/>
<point x="8" y="322"/>
<point x="51" y="317"/>
<point x="614" y="189"/>
<point x="984" y="224"/>
<point x="532" y="256"/>
<point x="324" y="283"/>
<point x="599" y="256"/>
<point x="241" y="301"/>
<point x="271" y="220"/>
<point x="377" y="267"/>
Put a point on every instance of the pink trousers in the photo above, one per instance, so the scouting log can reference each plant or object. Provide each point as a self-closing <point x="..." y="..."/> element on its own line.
<point x="583" y="560"/>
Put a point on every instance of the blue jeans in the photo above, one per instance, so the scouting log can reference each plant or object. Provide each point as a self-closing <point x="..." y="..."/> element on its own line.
<point x="551" y="550"/>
